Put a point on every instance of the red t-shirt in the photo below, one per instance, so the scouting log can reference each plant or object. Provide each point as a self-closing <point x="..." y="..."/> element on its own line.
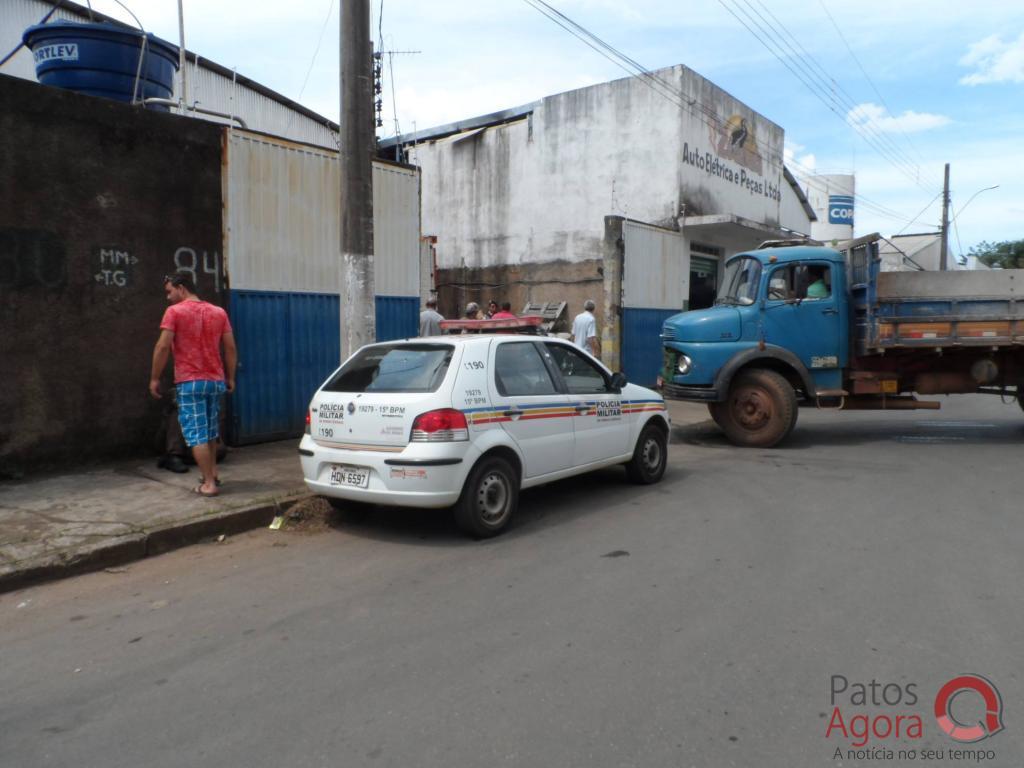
<point x="197" y="328"/>
<point x="503" y="315"/>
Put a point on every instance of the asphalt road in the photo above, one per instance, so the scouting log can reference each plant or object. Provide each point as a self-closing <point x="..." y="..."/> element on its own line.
<point x="698" y="622"/>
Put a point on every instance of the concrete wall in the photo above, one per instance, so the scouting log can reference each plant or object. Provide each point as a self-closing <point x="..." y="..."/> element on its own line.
<point x="97" y="202"/>
<point x="537" y="190"/>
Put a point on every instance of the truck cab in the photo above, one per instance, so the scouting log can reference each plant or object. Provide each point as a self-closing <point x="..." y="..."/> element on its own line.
<point x="779" y="329"/>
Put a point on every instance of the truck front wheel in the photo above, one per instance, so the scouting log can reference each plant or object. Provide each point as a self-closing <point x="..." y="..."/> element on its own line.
<point x="760" y="411"/>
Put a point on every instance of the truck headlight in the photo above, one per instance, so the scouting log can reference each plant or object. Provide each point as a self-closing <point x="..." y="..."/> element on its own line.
<point x="683" y="365"/>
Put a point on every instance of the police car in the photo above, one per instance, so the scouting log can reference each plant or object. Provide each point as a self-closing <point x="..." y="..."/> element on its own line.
<point x="468" y="420"/>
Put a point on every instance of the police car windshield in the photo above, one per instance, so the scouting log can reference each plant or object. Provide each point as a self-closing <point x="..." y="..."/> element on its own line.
<point x="742" y="277"/>
<point x="399" y="368"/>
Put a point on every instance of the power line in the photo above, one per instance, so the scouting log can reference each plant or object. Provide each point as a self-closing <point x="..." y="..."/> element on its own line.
<point x="670" y="92"/>
<point x="312" y="62"/>
<point x="780" y="55"/>
<point x="917" y="217"/>
<point x="867" y="77"/>
<point x="835" y="90"/>
<point x="667" y="90"/>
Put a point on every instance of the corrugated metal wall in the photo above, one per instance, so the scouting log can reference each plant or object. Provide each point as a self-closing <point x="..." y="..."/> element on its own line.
<point x="281" y="251"/>
<point x="281" y="214"/>
<point x="396" y="251"/>
<point x="655" y="285"/>
<point x="288" y="344"/>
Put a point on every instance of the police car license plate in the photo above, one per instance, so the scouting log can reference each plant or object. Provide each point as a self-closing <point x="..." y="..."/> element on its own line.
<point x="356" y="477"/>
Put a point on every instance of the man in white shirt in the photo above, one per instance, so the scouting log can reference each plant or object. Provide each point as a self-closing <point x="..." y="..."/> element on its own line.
<point x="584" y="329"/>
<point x="430" y="320"/>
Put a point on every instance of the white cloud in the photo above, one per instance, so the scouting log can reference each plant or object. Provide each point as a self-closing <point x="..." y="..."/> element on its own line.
<point x="994" y="61"/>
<point x="909" y="122"/>
<point x="800" y="162"/>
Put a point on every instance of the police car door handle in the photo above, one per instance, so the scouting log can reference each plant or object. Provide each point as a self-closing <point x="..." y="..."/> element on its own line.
<point x="513" y="413"/>
<point x="582" y="408"/>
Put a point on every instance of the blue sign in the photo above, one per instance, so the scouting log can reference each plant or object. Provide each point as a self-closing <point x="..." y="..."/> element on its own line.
<point x="840" y="209"/>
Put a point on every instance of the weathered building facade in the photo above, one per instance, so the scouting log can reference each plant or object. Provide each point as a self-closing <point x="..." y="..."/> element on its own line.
<point x="518" y="200"/>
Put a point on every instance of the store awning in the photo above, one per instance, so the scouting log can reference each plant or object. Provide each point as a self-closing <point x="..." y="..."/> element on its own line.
<point x="737" y="231"/>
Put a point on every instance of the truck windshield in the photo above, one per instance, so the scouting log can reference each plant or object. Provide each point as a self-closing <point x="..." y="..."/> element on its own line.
<point x="740" y="283"/>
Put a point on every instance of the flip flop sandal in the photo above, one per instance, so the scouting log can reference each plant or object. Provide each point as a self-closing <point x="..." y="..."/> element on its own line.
<point x="203" y="480"/>
<point x="198" y="490"/>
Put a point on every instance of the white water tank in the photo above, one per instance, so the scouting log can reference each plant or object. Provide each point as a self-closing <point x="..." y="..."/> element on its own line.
<point x="832" y="198"/>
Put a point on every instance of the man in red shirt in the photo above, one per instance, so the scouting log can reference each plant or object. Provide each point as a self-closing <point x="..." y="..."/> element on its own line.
<point x="194" y="330"/>
<point x="505" y="313"/>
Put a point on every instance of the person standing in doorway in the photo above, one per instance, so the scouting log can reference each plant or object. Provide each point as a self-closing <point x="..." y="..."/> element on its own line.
<point x="584" y="329"/>
<point x="430" y="319"/>
<point x="194" y="331"/>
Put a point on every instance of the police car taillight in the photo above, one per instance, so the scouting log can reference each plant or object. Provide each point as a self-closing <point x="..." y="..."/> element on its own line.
<point x="307" y="422"/>
<point x="441" y="426"/>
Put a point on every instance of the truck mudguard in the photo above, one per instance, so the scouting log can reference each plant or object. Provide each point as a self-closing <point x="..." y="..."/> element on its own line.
<point x="770" y="352"/>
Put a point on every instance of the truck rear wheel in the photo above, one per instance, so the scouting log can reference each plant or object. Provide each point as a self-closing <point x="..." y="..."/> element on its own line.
<point x="760" y="411"/>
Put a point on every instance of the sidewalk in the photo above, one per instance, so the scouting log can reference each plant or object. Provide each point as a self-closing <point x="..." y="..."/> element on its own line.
<point x="58" y="525"/>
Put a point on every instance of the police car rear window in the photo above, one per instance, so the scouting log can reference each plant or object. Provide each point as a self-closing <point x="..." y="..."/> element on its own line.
<point x="400" y="368"/>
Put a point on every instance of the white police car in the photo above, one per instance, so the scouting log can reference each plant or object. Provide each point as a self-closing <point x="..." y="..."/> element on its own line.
<point x="468" y="420"/>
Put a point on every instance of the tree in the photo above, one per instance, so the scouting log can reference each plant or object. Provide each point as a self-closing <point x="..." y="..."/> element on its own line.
<point x="1008" y="254"/>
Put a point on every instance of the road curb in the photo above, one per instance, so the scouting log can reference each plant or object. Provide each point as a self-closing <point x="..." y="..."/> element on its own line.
<point x="138" y="546"/>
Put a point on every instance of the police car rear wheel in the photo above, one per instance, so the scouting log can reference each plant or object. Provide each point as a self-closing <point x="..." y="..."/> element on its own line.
<point x="649" y="457"/>
<point x="489" y="499"/>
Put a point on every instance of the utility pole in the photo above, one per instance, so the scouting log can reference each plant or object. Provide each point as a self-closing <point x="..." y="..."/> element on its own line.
<point x="944" y="245"/>
<point x="358" y="312"/>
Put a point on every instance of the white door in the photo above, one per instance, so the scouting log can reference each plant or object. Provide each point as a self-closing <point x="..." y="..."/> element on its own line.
<point x="536" y="415"/>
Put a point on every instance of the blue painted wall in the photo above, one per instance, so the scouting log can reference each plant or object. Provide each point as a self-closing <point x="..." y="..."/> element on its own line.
<point x="641" y="343"/>
<point x="288" y="343"/>
<point x="398" y="317"/>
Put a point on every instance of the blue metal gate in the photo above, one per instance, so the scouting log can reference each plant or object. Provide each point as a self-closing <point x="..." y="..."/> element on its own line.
<point x="288" y="343"/>
<point x="655" y="284"/>
<point x="641" y="343"/>
<point x="398" y="317"/>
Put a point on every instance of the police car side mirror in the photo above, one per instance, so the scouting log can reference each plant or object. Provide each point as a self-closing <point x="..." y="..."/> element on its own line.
<point x="618" y="380"/>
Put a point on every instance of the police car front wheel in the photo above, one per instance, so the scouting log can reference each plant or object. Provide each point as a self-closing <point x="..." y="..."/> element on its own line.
<point x="649" y="457"/>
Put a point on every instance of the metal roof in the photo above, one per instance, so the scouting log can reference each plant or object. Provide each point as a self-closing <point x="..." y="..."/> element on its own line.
<point x="470" y="123"/>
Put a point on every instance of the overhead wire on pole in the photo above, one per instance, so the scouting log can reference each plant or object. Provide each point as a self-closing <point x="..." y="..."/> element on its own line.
<point x="836" y="92"/>
<point x="867" y="77"/>
<point x="667" y="90"/>
<point x="673" y="94"/>
<point x="779" y="54"/>
<point x="312" y="63"/>
<point x="918" y="216"/>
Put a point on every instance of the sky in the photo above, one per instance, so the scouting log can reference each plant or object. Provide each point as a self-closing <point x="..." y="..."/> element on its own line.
<point x="927" y="82"/>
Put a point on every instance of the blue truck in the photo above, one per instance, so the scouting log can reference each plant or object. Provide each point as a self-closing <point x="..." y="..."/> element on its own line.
<point x="823" y="327"/>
